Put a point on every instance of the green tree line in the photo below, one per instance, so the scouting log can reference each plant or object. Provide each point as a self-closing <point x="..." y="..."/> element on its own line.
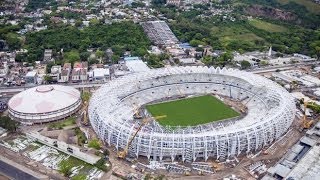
<point x="120" y="37"/>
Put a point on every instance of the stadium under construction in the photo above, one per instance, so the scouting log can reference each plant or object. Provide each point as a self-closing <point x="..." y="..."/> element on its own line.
<point x="113" y="111"/>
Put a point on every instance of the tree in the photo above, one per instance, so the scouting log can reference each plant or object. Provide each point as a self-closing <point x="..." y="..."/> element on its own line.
<point x="21" y="57"/>
<point x="196" y="43"/>
<point x="71" y="56"/>
<point x="155" y="61"/>
<point x="47" y="78"/>
<point x="227" y="56"/>
<point x="84" y="55"/>
<point x="9" y="124"/>
<point x="101" y="164"/>
<point x="245" y="64"/>
<point x="94" y="22"/>
<point x="121" y="37"/>
<point x="318" y="52"/>
<point x="13" y="41"/>
<point x="314" y="106"/>
<point x="49" y="66"/>
<point x="207" y="60"/>
<point x="115" y="58"/>
<point x="94" y="143"/>
<point x="78" y="23"/>
<point x="100" y="54"/>
<point x="159" y="2"/>
<point x="79" y="177"/>
<point x="85" y="96"/>
<point x="264" y="63"/>
<point x="93" y="61"/>
<point x="65" y="168"/>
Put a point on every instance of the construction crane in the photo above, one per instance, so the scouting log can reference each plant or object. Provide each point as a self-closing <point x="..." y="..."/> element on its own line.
<point x="306" y="123"/>
<point x="136" y="112"/>
<point x="122" y="154"/>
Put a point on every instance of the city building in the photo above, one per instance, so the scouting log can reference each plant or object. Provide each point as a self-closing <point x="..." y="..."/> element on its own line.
<point x="47" y="56"/>
<point x="302" y="160"/>
<point x="31" y="77"/>
<point x="67" y="66"/>
<point x="55" y="73"/>
<point x="174" y="2"/>
<point x="4" y="69"/>
<point x="75" y="75"/>
<point x="80" y="65"/>
<point x="100" y="73"/>
<point x="41" y="68"/>
<point x="64" y="75"/>
<point x="83" y="75"/>
<point x="64" y="147"/>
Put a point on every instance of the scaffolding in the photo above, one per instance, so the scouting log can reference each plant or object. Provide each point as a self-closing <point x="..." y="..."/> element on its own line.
<point x="271" y="110"/>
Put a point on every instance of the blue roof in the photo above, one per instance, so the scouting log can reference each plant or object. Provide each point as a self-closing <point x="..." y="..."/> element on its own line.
<point x="185" y="45"/>
<point x="131" y="58"/>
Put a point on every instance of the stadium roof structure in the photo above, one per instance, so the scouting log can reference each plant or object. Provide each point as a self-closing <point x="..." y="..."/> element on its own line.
<point x="45" y="102"/>
<point x="271" y="110"/>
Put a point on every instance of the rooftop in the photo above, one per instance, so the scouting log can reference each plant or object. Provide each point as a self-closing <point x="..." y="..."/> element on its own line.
<point x="137" y="66"/>
<point x="42" y="99"/>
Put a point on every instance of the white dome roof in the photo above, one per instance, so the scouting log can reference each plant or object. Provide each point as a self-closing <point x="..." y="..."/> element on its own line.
<point x="44" y="99"/>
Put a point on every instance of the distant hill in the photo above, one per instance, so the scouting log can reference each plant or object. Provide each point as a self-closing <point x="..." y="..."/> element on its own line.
<point x="302" y="12"/>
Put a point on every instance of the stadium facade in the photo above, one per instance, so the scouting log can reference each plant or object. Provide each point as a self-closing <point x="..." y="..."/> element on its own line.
<point x="271" y="110"/>
<point x="44" y="104"/>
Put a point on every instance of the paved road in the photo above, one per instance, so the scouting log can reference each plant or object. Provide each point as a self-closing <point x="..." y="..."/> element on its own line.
<point x="282" y="67"/>
<point x="16" y="89"/>
<point x="22" y="88"/>
<point x="13" y="170"/>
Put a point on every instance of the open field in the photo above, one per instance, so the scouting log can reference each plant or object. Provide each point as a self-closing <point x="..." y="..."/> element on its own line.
<point x="191" y="111"/>
<point x="228" y="35"/>
<point x="267" y="26"/>
<point x="309" y="4"/>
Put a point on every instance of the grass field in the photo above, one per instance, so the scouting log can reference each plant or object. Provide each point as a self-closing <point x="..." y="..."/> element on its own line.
<point x="230" y="34"/>
<point x="267" y="26"/>
<point x="191" y="111"/>
<point x="63" y="123"/>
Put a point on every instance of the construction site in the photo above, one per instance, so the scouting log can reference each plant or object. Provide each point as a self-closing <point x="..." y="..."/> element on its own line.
<point x="268" y="154"/>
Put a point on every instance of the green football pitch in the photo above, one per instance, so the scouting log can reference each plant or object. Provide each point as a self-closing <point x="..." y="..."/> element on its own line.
<point x="191" y="111"/>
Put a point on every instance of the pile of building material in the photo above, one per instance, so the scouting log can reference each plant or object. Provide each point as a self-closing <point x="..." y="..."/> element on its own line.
<point x="202" y="167"/>
<point x="176" y="168"/>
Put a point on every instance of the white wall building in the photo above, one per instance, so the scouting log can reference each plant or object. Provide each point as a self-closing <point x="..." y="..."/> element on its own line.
<point x="100" y="73"/>
<point x="44" y="104"/>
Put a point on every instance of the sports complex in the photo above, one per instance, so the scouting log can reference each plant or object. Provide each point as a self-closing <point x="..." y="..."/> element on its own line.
<point x="44" y="103"/>
<point x="195" y="113"/>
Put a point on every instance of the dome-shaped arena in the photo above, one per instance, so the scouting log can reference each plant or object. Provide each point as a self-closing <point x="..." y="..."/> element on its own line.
<point x="270" y="112"/>
<point x="44" y="103"/>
